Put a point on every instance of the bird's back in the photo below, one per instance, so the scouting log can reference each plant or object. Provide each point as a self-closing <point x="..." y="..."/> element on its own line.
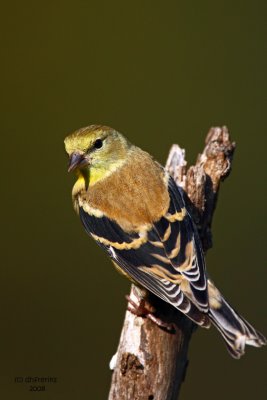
<point x="134" y="195"/>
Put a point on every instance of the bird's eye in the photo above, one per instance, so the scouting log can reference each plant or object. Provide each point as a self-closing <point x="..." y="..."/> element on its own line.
<point x="98" y="144"/>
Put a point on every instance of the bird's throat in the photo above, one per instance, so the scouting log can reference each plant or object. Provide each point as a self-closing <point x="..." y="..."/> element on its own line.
<point x="89" y="177"/>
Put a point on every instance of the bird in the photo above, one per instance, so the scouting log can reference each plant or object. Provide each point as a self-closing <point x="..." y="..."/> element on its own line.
<point x="131" y="206"/>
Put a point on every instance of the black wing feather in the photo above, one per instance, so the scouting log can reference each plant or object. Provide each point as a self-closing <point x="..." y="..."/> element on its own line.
<point x="197" y="274"/>
<point x="138" y="262"/>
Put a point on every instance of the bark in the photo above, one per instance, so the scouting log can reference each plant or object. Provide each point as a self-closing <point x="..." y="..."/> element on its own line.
<point x="151" y="363"/>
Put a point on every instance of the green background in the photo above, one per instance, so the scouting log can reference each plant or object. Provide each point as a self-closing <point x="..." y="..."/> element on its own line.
<point x="160" y="72"/>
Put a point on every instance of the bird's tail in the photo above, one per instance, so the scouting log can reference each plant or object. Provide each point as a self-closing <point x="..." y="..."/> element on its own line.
<point x="235" y="330"/>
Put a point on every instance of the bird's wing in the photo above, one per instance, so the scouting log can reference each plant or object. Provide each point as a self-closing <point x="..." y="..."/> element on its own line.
<point x="166" y="258"/>
<point x="183" y="246"/>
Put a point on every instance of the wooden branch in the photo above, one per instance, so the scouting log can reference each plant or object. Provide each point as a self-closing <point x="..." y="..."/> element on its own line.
<point x="150" y="363"/>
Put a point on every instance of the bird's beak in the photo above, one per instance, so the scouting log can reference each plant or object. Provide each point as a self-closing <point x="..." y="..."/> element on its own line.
<point x="77" y="160"/>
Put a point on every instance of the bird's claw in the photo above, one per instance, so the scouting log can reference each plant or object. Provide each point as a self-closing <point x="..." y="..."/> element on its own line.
<point x="140" y="310"/>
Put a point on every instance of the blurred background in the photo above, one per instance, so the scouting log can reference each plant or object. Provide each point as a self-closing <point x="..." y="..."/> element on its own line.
<point x="161" y="74"/>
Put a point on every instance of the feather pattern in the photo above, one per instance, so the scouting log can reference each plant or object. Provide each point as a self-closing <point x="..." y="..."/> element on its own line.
<point x="160" y="256"/>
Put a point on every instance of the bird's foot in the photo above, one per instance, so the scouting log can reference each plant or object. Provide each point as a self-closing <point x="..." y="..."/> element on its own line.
<point x="140" y="310"/>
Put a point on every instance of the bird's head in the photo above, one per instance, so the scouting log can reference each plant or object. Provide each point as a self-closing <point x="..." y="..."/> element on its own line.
<point x="96" y="150"/>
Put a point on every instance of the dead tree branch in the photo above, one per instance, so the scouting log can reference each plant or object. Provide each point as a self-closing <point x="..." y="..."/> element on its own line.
<point x="150" y="363"/>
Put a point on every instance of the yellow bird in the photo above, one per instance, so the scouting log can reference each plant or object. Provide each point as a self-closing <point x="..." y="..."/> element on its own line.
<point x="134" y="210"/>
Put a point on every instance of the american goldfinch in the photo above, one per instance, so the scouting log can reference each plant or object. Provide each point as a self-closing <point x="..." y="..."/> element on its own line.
<point x="134" y="210"/>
